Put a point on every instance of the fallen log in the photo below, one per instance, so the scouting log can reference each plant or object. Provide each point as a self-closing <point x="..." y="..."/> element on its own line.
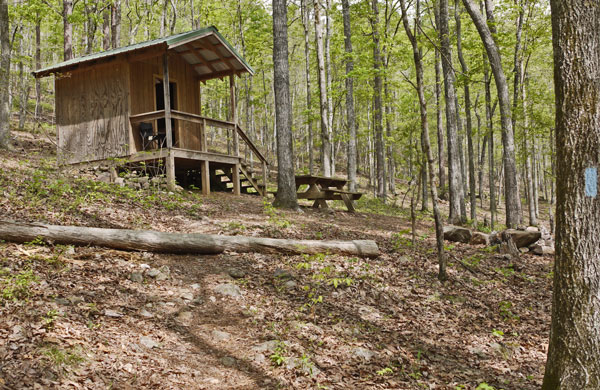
<point x="153" y="241"/>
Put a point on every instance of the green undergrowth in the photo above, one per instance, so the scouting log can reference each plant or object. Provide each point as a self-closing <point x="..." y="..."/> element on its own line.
<point x="45" y="189"/>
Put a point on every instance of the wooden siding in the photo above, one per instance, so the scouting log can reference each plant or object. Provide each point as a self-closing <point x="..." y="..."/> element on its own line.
<point x="92" y="113"/>
<point x="142" y="76"/>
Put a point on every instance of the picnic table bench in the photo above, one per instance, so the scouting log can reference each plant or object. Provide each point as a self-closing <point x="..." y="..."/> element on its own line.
<point x="321" y="189"/>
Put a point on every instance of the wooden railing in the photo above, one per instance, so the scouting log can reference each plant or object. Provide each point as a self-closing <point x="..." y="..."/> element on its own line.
<point x="205" y="122"/>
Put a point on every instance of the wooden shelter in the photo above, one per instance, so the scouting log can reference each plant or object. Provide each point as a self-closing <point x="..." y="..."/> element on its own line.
<point x="142" y="104"/>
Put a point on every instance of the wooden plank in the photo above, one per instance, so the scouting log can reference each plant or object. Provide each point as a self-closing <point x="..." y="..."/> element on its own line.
<point x="147" y="116"/>
<point x="170" y="160"/>
<point x="205" y="175"/>
<point x="208" y="156"/>
<point x="232" y="107"/>
<point x="235" y="178"/>
<point x="250" y="144"/>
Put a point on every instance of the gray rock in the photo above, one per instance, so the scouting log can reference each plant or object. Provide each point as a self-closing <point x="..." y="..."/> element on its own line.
<point x="541" y="250"/>
<point x="62" y="301"/>
<point x="524" y="250"/>
<point x="228" y="361"/>
<point x="148" y="342"/>
<point x="457" y="234"/>
<point x="120" y="181"/>
<point x="136" y="277"/>
<point x="267" y="346"/>
<point x="479" y="238"/>
<point x="187" y="296"/>
<point x="112" y="313"/>
<point x="363" y="353"/>
<point x="281" y="273"/>
<point x="162" y="276"/>
<point x="153" y="272"/>
<point x="185" y="317"/>
<point x="228" y="289"/>
<point x="523" y="238"/>
<point x="236" y="273"/>
<point x="146" y="314"/>
<point x="290" y="284"/>
<point x="217" y="335"/>
<point x="307" y="367"/>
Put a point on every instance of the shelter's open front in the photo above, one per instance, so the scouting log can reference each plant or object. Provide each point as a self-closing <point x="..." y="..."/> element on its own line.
<point x="115" y="105"/>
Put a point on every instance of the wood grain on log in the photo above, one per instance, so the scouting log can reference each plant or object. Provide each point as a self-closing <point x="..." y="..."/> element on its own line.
<point x="148" y="240"/>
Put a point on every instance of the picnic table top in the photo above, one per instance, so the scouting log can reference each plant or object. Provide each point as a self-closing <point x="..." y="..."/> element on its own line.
<point x="322" y="180"/>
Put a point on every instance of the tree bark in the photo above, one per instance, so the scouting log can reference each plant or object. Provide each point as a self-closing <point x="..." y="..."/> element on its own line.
<point x="286" y="182"/>
<point x="574" y="348"/>
<point x="325" y="139"/>
<point x="512" y="199"/>
<point x="417" y="57"/>
<point x="309" y="120"/>
<point x="115" y="33"/>
<point x="38" y="65"/>
<point x="148" y="240"/>
<point x="440" y="126"/>
<point x="470" y="153"/>
<point x="455" y="177"/>
<point x="67" y="29"/>
<point x="329" y="75"/>
<point x="350" y="115"/>
<point x="4" y="76"/>
<point x="106" y="20"/>
<point x="377" y="104"/>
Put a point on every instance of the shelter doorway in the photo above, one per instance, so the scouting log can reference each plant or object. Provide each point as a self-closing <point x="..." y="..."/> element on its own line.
<point x="160" y="105"/>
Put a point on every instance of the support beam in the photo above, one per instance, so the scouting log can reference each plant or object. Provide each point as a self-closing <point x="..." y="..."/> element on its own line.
<point x="205" y="176"/>
<point x="170" y="163"/>
<point x="265" y="177"/>
<point x="203" y="144"/>
<point x="235" y="177"/>
<point x="236" y="140"/>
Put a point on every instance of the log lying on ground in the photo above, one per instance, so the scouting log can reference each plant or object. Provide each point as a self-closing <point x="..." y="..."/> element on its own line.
<point x="148" y="240"/>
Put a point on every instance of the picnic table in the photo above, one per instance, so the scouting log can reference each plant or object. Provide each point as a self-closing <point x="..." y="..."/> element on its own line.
<point x="321" y="189"/>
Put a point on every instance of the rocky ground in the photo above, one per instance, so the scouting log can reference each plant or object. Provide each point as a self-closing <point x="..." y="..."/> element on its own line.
<point x="93" y="318"/>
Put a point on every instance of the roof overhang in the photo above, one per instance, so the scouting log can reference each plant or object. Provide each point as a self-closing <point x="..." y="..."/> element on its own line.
<point x="206" y="50"/>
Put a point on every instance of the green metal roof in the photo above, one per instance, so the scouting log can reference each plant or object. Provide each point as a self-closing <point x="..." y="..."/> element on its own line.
<point x="170" y="41"/>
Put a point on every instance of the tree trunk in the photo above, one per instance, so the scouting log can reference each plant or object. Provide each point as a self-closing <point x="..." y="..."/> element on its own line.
<point x="512" y="199"/>
<point x="286" y="182"/>
<point x="351" y="118"/>
<point x="391" y="168"/>
<point x="116" y="24"/>
<point x="4" y="76"/>
<point x="329" y="75"/>
<point x="455" y="178"/>
<point x="489" y="113"/>
<point x="574" y="348"/>
<point x="470" y="153"/>
<point x="440" y="127"/>
<point x="148" y="240"/>
<point x="38" y="65"/>
<point x="439" y="224"/>
<point x="67" y="29"/>
<point x="24" y="89"/>
<point x="377" y="104"/>
<point x="309" y="119"/>
<point x="106" y="19"/>
<point x="325" y="139"/>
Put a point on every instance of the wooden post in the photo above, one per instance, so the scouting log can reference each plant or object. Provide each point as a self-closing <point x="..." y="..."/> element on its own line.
<point x="203" y="146"/>
<point x="236" y="141"/>
<point x="265" y="178"/>
<point x="205" y="176"/>
<point x="235" y="170"/>
<point x="170" y="163"/>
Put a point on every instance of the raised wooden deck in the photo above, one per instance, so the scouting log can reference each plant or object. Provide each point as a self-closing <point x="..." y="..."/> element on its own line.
<point x="213" y="162"/>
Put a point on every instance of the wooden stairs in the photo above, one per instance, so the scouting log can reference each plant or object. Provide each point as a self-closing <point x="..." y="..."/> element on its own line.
<point x="221" y="179"/>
